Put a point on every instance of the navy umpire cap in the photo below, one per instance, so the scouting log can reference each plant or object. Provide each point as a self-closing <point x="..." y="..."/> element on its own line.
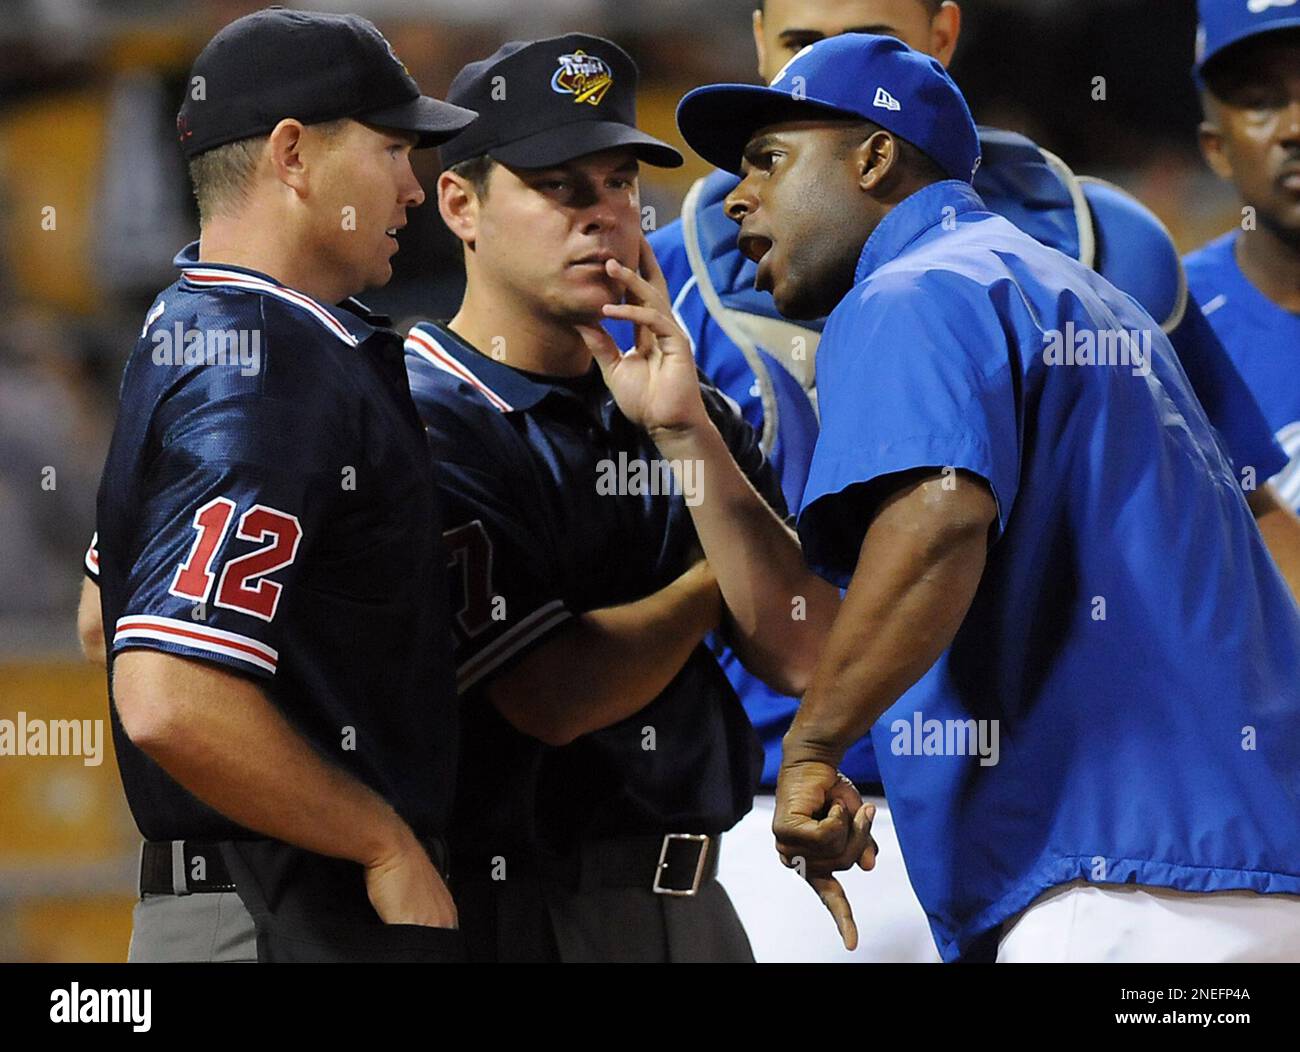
<point x="855" y="76"/>
<point x="276" y="64"/>
<point x="1225" y="23"/>
<point x="545" y="102"/>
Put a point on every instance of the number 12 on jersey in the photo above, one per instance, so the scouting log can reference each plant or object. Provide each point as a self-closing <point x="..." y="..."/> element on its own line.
<point x="242" y="584"/>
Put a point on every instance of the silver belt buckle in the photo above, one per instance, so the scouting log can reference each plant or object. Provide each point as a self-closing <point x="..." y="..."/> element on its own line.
<point x="703" y="842"/>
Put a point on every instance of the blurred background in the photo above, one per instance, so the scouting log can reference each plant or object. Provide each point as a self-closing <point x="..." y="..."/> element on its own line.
<point x="94" y="202"/>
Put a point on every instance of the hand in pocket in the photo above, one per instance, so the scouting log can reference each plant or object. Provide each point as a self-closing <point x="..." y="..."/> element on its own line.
<point x="406" y="888"/>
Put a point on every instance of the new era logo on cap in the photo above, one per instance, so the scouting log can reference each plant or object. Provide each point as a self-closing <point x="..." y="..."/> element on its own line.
<point x="886" y="101"/>
<point x="1258" y="7"/>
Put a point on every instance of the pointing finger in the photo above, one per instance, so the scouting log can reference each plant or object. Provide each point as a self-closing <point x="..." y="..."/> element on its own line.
<point x="833" y="898"/>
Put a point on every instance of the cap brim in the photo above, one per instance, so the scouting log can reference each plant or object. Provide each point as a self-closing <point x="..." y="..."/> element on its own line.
<point x="558" y="145"/>
<point x="718" y="120"/>
<point x="433" y="120"/>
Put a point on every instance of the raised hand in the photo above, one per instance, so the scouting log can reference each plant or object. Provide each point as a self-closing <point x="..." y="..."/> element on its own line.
<point x="655" y="384"/>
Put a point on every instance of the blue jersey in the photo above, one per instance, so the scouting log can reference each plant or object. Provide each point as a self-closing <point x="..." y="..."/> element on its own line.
<point x="767" y="363"/>
<point x="1263" y="340"/>
<point x="555" y="504"/>
<point x="265" y="507"/>
<point x="1131" y="651"/>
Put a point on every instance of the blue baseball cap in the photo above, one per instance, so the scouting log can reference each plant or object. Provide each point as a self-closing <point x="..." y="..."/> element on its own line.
<point x="854" y="76"/>
<point x="1225" y="23"/>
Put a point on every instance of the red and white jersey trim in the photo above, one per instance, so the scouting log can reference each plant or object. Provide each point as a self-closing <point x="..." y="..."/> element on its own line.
<point x="213" y="277"/>
<point x="92" y="554"/>
<point x="422" y="343"/>
<point x="197" y="637"/>
<point x="544" y="619"/>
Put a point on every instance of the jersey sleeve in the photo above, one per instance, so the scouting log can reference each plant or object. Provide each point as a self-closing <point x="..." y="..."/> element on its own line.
<point x="90" y="562"/>
<point x="917" y="374"/>
<point x="231" y="505"/>
<point x="505" y="594"/>
<point x="1228" y="402"/>
<point x="743" y="442"/>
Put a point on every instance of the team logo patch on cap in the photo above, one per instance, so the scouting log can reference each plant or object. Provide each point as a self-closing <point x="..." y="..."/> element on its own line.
<point x="586" y="77"/>
<point x="886" y="101"/>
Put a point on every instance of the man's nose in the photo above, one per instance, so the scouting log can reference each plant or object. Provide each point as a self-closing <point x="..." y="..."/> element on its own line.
<point x="600" y="213"/>
<point x="413" y="195"/>
<point x="1289" y="125"/>
<point x="740" y="202"/>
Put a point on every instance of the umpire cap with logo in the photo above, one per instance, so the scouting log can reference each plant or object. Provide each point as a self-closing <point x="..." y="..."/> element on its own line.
<point x="1226" y="23"/>
<point x="856" y="76"/>
<point x="275" y="64"/>
<point x="544" y="102"/>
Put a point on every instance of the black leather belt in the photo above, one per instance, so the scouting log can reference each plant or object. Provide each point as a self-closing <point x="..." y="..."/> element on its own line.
<point x="193" y="867"/>
<point x="182" y="867"/>
<point x="675" y="864"/>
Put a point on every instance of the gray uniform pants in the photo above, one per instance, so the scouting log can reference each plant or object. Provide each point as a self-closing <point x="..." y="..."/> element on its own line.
<point x="206" y="927"/>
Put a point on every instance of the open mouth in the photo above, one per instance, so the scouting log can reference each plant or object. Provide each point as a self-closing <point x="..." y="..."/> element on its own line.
<point x="754" y="246"/>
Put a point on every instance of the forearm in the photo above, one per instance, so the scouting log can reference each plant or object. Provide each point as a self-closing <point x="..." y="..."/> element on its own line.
<point x="779" y="611"/>
<point x="1281" y="531"/>
<point x="610" y="663"/>
<point x="219" y="736"/>
<point x="912" y="587"/>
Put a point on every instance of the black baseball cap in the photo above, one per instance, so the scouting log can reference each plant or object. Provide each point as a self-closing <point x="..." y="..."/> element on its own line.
<point x="544" y="102"/>
<point x="313" y="67"/>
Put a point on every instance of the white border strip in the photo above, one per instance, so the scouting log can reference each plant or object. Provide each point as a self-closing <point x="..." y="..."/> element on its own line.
<point x="213" y="640"/>
<point x="491" y="657"/>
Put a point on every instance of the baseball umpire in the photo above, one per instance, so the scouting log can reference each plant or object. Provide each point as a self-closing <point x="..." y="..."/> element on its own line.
<point x="767" y="364"/>
<point x="1249" y="279"/>
<point x="604" y="751"/>
<point x="279" y="656"/>
<point x="1013" y="516"/>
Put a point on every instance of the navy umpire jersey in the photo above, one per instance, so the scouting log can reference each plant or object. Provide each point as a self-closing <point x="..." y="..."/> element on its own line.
<point x="269" y="512"/>
<point x="536" y="538"/>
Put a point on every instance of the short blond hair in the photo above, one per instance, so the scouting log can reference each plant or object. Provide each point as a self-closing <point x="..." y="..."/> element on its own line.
<point x="221" y="177"/>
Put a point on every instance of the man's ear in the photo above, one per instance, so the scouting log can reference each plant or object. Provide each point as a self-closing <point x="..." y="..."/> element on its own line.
<point x="458" y="205"/>
<point x="760" y="45"/>
<point x="945" y="28"/>
<point x="1210" y="138"/>
<point x="285" y="150"/>
<point x="877" y="160"/>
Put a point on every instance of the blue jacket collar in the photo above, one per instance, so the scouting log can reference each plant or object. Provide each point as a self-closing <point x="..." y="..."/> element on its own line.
<point x="911" y="218"/>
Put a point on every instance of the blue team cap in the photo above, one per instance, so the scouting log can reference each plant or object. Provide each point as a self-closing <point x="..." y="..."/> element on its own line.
<point x="1228" y="22"/>
<point x="853" y="76"/>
